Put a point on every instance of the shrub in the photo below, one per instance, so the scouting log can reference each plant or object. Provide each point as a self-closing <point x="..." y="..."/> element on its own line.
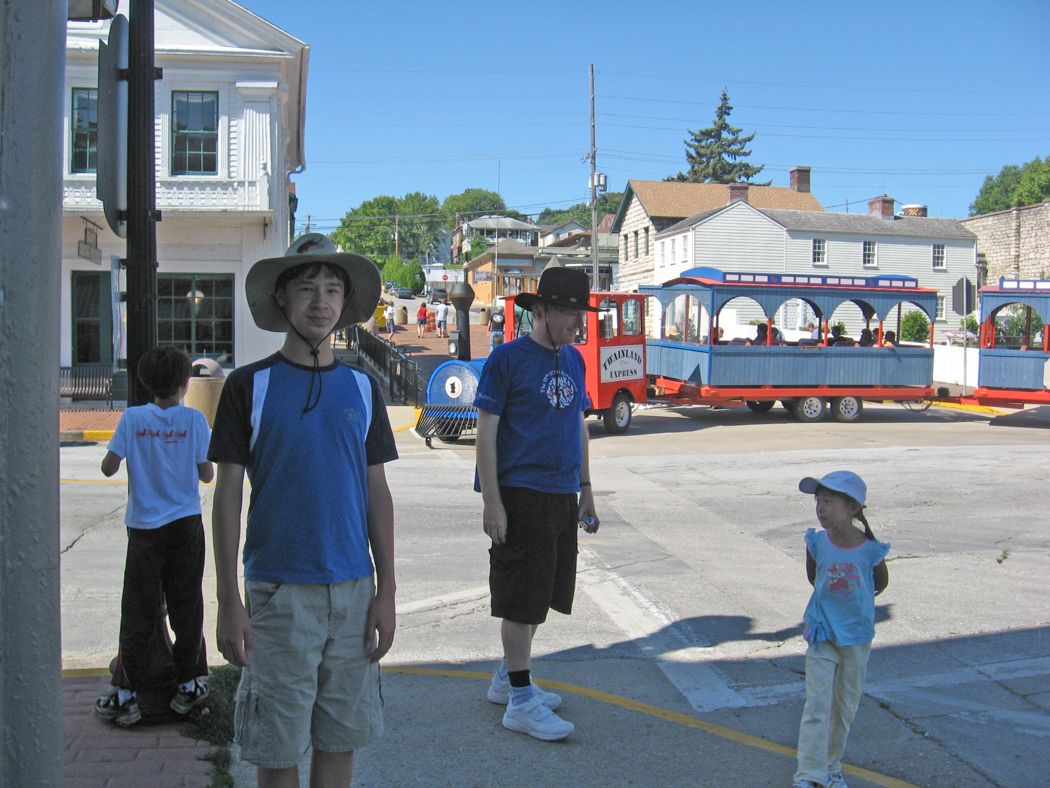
<point x="915" y="327"/>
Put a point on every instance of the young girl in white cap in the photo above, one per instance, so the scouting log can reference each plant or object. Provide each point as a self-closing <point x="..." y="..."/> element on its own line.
<point x="847" y="569"/>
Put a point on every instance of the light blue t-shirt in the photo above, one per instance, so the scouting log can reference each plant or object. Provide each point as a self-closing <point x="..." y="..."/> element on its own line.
<point x="842" y="607"/>
<point x="163" y="447"/>
<point x="539" y="396"/>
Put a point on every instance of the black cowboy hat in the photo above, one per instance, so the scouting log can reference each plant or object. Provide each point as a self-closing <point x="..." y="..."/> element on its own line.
<point x="567" y="288"/>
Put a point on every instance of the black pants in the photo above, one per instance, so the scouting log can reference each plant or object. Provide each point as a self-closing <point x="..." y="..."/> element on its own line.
<point x="164" y="566"/>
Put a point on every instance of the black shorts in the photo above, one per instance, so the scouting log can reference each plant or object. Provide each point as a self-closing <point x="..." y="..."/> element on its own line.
<point x="534" y="570"/>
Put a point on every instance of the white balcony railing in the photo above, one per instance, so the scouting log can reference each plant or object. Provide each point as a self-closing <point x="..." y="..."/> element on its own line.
<point x="181" y="194"/>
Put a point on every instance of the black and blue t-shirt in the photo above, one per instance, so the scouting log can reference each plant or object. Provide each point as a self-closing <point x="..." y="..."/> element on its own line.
<point x="308" y="513"/>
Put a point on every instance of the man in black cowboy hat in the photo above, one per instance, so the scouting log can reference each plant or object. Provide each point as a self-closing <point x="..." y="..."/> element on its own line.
<point x="313" y="435"/>
<point x="532" y="462"/>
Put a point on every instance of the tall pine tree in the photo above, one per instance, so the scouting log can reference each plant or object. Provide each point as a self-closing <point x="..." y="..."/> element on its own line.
<point x="716" y="154"/>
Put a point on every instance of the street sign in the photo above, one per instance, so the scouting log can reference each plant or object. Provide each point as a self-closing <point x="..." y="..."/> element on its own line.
<point x="963" y="297"/>
<point x="444" y="277"/>
<point x="111" y="169"/>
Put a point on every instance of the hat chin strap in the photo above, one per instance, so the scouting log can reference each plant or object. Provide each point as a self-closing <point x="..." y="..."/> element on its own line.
<point x="311" y="403"/>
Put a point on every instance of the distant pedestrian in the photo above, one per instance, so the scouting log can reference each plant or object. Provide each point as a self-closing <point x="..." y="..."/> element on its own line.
<point x="441" y="315"/>
<point x="421" y="320"/>
<point x="166" y="447"/>
<point x="847" y="569"/>
<point x="532" y="462"/>
<point x="388" y="314"/>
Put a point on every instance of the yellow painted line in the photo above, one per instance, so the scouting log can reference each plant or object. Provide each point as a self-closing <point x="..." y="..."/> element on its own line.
<point x="663" y="714"/>
<point x="97" y="435"/>
<point x="70" y="673"/>
<point x="415" y="421"/>
<point x="988" y="409"/>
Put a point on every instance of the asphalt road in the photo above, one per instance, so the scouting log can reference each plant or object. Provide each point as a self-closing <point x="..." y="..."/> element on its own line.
<point x="682" y="663"/>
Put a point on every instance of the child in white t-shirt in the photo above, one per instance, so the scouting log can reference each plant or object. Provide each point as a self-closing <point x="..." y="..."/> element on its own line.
<point x="166" y="446"/>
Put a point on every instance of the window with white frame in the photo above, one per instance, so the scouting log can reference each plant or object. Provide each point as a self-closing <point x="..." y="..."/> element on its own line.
<point x="626" y="247"/>
<point x="194" y="132"/>
<point x="685" y="247"/>
<point x="869" y="256"/>
<point x="646" y="247"/>
<point x="938" y="257"/>
<point x="83" y="131"/>
<point x="820" y="251"/>
<point x="941" y="309"/>
<point x="635" y="244"/>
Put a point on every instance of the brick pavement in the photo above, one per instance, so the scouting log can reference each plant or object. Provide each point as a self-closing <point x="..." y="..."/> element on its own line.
<point x="99" y="754"/>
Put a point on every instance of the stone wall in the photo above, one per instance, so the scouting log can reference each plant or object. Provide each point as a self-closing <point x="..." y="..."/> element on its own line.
<point x="1015" y="243"/>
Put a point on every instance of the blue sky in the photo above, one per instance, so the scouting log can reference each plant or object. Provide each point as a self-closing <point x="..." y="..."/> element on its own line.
<point x="917" y="100"/>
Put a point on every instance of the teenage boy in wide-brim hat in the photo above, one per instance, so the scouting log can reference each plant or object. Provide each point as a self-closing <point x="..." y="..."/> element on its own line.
<point x="534" y="476"/>
<point x="312" y="435"/>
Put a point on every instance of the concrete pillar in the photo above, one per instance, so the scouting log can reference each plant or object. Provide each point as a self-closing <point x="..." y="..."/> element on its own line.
<point x="32" y="68"/>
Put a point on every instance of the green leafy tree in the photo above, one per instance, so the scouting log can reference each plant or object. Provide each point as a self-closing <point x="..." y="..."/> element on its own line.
<point x="469" y="204"/>
<point x="915" y="327"/>
<point x="581" y="211"/>
<point x="376" y="226"/>
<point x="392" y="269"/>
<point x="1014" y="186"/>
<point x="717" y="154"/>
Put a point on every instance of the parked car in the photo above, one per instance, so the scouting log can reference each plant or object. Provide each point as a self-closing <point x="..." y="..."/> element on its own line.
<point x="403" y="292"/>
<point x="438" y="296"/>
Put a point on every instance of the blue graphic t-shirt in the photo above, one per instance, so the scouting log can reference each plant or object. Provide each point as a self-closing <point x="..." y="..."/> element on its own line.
<point x="539" y="396"/>
<point x="842" y="607"/>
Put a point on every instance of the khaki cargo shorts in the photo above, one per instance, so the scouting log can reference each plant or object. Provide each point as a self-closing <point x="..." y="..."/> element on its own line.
<point x="309" y="683"/>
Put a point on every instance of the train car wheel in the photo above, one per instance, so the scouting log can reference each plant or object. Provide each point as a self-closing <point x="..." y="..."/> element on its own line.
<point x="760" y="406"/>
<point x="618" y="417"/>
<point x="847" y="409"/>
<point x="809" y="409"/>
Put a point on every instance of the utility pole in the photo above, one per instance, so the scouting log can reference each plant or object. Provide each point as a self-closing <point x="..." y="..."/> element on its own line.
<point x="593" y="155"/>
<point x="32" y="59"/>
<point x="142" y="195"/>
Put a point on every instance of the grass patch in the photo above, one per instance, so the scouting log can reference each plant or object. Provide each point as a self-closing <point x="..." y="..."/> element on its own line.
<point x="214" y="722"/>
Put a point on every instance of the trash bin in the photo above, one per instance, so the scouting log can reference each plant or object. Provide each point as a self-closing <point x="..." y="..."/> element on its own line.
<point x="206" y="381"/>
<point x="401" y="316"/>
<point x="483" y="317"/>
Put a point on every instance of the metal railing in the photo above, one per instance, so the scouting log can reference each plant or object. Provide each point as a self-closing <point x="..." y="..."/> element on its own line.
<point x="399" y="371"/>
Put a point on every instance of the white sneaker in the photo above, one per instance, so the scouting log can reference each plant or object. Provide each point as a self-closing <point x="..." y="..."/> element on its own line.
<point x="499" y="692"/>
<point x="836" y="780"/>
<point x="535" y="719"/>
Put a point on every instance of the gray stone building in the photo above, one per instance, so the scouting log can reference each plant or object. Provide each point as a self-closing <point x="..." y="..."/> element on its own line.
<point x="1015" y="243"/>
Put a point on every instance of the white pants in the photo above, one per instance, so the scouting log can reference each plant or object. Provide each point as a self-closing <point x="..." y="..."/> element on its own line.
<point x="834" y="685"/>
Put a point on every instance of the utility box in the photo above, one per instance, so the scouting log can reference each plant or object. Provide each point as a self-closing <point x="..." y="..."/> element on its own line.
<point x="207" y="378"/>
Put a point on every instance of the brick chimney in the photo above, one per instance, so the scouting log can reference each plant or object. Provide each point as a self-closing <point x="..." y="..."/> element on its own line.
<point x="914" y="210"/>
<point x="800" y="179"/>
<point x="737" y="192"/>
<point x="881" y="206"/>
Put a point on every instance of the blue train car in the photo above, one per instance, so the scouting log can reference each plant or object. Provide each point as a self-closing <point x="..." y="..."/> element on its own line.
<point x="1014" y="343"/>
<point x="689" y="361"/>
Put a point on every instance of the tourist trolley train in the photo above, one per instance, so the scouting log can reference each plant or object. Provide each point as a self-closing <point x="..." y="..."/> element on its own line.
<point x="1014" y="366"/>
<point x="676" y="355"/>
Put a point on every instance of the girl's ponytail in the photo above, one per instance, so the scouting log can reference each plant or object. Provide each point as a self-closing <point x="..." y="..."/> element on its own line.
<point x="867" y="528"/>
